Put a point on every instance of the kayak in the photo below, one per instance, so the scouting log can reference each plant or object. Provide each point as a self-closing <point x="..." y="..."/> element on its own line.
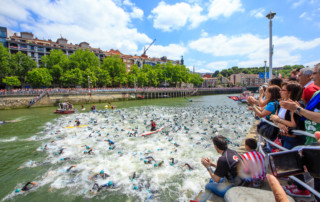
<point x="76" y="126"/>
<point x="151" y="132"/>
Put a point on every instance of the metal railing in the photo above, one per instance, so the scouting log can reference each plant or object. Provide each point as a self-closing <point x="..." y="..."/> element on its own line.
<point x="296" y="132"/>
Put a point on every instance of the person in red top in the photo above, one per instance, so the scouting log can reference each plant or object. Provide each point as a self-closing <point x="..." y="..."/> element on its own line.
<point x="153" y="125"/>
<point x="305" y="80"/>
<point x="254" y="167"/>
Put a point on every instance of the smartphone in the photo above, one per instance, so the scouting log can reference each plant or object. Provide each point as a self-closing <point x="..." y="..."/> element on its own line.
<point x="283" y="164"/>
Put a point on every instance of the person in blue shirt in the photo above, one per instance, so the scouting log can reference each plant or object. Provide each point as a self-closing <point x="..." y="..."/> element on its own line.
<point x="272" y="95"/>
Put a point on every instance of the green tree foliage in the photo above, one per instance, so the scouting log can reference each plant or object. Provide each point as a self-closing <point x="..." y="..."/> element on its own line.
<point x="72" y="78"/>
<point x="39" y="77"/>
<point x="4" y="62"/>
<point x="83" y="59"/>
<point x="21" y="64"/>
<point x="116" y="69"/>
<point x="57" y="63"/>
<point x="196" y="79"/>
<point x="11" y="81"/>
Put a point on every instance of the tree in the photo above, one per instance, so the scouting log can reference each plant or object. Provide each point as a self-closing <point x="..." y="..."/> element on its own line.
<point x="196" y="79"/>
<point x="39" y="77"/>
<point x="72" y="77"/>
<point x="57" y="63"/>
<point x="116" y="69"/>
<point x="21" y="64"/>
<point x="11" y="81"/>
<point x="103" y="78"/>
<point x="4" y="62"/>
<point x="83" y="59"/>
<point x="215" y="74"/>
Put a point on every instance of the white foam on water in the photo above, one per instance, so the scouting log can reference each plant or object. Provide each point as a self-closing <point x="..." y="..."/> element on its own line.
<point x="190" y="130"/>
<point x="9" y="140"/>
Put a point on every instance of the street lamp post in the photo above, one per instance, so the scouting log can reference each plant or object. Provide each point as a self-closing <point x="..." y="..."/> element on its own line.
<point x="270" y="16"/>
<point x="89" y="83"/>
<point x="265" y="71"/>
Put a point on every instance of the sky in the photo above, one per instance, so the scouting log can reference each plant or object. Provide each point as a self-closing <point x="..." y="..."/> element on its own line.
<point x="210" y="35"/>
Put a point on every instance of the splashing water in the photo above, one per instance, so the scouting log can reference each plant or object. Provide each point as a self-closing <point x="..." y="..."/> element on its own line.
<point x="164" y="166"/>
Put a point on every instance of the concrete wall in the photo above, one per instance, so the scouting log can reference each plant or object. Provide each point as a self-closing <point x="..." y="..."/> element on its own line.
<point x="22" y="101"/>
<point x="12" y="102"/>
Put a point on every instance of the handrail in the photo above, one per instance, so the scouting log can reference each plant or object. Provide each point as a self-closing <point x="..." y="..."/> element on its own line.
<point x="297" y="132"/>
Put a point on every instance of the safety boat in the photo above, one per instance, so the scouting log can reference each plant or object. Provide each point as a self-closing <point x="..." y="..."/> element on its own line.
<point x="65" y="108"/>
<point x="242" y="98"/>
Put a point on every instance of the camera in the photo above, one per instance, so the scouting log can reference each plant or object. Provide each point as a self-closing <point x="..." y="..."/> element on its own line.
<point x="293" y="162"/>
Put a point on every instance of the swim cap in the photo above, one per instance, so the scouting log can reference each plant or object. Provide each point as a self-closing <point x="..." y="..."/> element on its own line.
<point x="102" y="172"/>
<point x="62" y="159"/>
<point x="85" y="151"/>
<point x="56" y="154"/>
<point x="87" y="147"/>
<point x="155" y="165"/>
<point x="17" y="190"/>
<point x="145" y="161"/>
<point x="135" y="187"/>
<point x="110" y="183"/>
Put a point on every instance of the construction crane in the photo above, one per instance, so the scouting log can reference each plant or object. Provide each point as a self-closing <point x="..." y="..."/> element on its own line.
<point x="145" y="49"/>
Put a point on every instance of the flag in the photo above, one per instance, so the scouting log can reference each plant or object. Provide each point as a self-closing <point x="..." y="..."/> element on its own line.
<point x="280" y="75"/>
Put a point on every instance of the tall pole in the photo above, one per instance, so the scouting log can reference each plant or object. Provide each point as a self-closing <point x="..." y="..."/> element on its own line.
<point x="89" y="84"/>
<point x="270" y="16"/>
<point x="265" y="71"/>
<point x="270" y="49"/>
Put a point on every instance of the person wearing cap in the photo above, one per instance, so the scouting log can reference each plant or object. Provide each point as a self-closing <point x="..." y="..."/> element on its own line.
<point x="102" y="174"/>
<point x="96" y="186"/>
<point x="153" y="125"/>
<point x="26" y="187"/>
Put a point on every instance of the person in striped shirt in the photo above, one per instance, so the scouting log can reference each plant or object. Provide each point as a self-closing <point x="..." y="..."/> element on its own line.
<point x="253" y="164"/>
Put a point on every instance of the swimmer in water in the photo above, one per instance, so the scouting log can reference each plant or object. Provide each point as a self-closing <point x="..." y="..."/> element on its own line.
<point x="98" y="188"/>
<point x="73" y="166"/>
<point x="101" y="174"/>
<point x="77" y="122"/>
<point x="27" y="187"/>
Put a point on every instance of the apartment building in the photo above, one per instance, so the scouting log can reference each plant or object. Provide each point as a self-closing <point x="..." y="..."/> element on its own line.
<point x="37" y="48"/>
<point x="246" y="79"/>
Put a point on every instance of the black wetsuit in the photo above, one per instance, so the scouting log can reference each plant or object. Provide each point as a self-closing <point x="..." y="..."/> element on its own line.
<point x="26" y="188"/>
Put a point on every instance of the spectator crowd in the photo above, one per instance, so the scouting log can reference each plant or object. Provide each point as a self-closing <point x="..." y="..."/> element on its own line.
<point x="289" y="104"/>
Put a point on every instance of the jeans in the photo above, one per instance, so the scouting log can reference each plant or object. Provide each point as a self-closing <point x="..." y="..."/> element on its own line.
<point x="220" y="188"/>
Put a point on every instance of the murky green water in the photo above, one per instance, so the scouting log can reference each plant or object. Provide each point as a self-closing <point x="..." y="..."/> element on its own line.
<point x="17" y="146"/>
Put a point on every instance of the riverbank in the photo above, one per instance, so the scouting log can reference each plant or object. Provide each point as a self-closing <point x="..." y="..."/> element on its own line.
<point x="52" y="99"/>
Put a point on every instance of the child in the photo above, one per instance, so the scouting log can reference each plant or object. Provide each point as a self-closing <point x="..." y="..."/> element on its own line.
<point x="254" y="163"/>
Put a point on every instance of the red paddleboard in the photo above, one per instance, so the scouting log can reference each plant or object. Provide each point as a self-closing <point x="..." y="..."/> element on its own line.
<point x="151" y="132"/>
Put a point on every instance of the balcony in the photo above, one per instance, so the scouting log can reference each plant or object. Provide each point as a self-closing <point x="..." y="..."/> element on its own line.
<point x="40" y="49"/>
<point x="14" y="47"/>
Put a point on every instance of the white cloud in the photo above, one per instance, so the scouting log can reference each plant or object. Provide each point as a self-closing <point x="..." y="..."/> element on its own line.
<point x="172" y="51"/>
<point x="220" y="65"/>
<point x="173" y="17"/>
<point x="128" y="3"/>
<point x="305" y="15"/>
<point x="298" y="3"/>
<point x="101" y="23"/>
<point x="253" y="50"/>
<point x="204" y="33"/>
<point x="203" y="71"/>
<point x="136" y="13"/>
<point x="224" y="8"/>
<point x="258" y="13"/>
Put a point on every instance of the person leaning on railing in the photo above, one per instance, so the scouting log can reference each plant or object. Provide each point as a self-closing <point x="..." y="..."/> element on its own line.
<point x="311" y="116"/>
<point x="287" y="118"/>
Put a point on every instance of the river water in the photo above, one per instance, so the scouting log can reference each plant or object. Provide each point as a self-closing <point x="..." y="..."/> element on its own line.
<point x="153" y="168"/>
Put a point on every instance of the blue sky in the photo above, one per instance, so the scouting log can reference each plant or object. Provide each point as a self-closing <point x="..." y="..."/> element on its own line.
<point x="211" y="35"/>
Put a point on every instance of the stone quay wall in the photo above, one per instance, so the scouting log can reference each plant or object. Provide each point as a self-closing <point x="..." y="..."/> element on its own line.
<point x="22" y="101"/>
